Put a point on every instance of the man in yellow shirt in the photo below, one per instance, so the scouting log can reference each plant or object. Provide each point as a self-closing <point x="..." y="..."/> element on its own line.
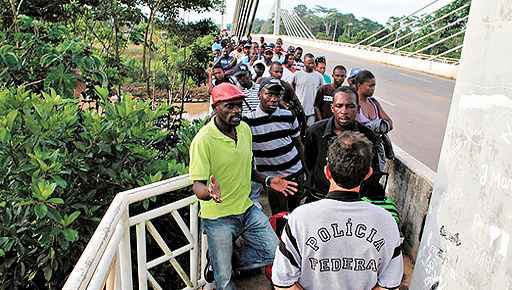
<point x="221" y="170"/>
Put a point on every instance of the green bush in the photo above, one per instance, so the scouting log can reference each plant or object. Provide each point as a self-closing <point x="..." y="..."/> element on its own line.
<point x="60" y="167"/>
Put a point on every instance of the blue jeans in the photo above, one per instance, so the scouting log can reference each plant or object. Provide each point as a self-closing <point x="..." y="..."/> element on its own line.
<point x="260" y="244"/>
<point x="256" y="189"/>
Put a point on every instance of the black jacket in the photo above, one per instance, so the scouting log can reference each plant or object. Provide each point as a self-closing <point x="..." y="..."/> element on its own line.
<point x="318" y="138"/>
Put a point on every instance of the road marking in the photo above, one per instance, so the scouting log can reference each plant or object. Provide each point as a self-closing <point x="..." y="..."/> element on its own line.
<point x="416" y="78"/>
<point x="385" y="102"/>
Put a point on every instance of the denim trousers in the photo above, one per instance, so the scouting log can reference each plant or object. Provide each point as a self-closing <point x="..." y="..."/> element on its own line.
<point x="259" y="248"/>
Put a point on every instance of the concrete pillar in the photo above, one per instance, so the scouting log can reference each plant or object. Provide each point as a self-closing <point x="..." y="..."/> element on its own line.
<point x="467" y="242"/>
<point x="277" y="17"/>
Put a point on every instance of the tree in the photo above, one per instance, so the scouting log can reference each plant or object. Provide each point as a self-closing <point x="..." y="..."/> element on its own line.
<point x="168" y="11"/>
<point x="301" y="10"/>
<point x="328" y="15"/>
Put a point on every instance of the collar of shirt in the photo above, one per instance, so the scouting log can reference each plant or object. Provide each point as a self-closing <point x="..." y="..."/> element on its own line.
<point x="260" y="111"/>
<point x="217" y="133"/>
<point x="343" y="195"/>
<point x="329" y="128"/>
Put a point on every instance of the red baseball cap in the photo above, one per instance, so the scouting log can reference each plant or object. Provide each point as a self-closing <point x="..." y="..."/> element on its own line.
<point x="226" y="92"/>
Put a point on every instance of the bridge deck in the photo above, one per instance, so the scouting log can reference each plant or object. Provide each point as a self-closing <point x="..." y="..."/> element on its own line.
<point x="417" y="102"/>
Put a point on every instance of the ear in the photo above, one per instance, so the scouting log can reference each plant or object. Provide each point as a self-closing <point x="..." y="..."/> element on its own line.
<point x="370" y="172"/>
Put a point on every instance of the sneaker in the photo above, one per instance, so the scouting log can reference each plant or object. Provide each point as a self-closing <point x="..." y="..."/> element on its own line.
<point x="208" y="270"/>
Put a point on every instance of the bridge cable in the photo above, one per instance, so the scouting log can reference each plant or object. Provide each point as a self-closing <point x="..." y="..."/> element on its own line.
<point x="306" y="29"/>
<point x="294" y="29"/>
<point x="241" y="18"/>
<point x="236" y="15"/>
<point x="398" y="21"/>
<point x="431" y="33"/>
<point x="255" y="8"/>
<point x="286" y="24"/>
<point x="421" y="28"/>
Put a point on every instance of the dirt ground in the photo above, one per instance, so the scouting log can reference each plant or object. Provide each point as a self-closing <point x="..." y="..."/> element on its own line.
<point x="196" y="108"/>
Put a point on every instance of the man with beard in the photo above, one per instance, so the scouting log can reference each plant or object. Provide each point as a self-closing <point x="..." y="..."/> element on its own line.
<point x="320" y="135"/>
<point x="221" y="168"/>
<point x="323" y="100"/>
<point x="276" y="142"/>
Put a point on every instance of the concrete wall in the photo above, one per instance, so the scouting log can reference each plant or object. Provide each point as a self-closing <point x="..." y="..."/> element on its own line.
<point x="430" y="67"/>
<point x="467" y="238"/>
<point x="410" y="184"/>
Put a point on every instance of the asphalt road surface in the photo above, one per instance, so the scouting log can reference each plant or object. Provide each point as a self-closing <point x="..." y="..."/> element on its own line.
<point x="418" y="103"/>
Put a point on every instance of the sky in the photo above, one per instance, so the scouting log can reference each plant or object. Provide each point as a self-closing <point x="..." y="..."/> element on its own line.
<point x="377" y="10"/>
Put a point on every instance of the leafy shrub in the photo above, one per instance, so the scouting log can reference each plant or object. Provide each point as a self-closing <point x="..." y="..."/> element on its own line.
<point x="45" y="58"/>
<point x="59" y="169"/>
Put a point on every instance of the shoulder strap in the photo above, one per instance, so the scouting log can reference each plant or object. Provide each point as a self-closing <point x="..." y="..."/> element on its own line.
<point x="376" y="104"/>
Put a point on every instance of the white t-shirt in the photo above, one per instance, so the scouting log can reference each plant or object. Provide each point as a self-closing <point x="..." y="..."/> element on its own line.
<point x="287" y="75"/>
<point x="348" y="245"/>
<point x="306" y="87"/>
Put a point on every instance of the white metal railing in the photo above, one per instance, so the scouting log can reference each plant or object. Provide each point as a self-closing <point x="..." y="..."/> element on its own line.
<point x="106" y="261"/>
<point x="438" y="58"/>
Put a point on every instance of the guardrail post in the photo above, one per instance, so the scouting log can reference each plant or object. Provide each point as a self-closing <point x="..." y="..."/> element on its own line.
<point x="194" y="253"/>
<point x="125" y="255"/>
<point x="141" y="256"/>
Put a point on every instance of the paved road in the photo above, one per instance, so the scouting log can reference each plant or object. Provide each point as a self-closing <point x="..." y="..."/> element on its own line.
<point x="417" y="102"/>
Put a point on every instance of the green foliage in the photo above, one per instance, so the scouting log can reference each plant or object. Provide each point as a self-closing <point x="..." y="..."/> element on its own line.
<point x="185" y="133"/>
<point x="178" y="61"/>
<point x="60" y="168"/>
<point x="46" y="57"/>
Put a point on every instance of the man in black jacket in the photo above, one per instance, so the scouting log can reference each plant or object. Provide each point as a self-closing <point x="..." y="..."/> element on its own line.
<point x="321" y="134"/>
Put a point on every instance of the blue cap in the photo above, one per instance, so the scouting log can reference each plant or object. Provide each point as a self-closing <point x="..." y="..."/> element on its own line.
<point x="352" y="73"/>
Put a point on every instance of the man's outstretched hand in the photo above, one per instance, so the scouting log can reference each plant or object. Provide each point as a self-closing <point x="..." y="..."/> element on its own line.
<point x="214" y="189"/>
<point x="279" y="184"/>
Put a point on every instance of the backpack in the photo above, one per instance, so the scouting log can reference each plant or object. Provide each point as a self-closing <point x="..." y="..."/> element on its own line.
<point x="278" y="222"/>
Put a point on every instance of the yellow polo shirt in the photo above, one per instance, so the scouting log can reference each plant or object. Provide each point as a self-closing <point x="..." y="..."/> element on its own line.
<point x="213" y="153"/>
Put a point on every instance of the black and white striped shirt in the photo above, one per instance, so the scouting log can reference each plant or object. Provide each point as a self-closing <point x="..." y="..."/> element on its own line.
<point x="273" y="149"/>
<point x="251" y="98"/>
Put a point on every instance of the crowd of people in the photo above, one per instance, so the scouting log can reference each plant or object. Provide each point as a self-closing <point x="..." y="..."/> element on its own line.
<point x="316" y="143"/>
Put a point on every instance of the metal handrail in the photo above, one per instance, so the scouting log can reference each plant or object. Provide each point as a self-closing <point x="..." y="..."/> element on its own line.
<point x="107" y="256"/>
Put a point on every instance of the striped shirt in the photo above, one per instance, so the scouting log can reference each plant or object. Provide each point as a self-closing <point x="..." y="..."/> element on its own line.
<point x="251" y="98"/>
<point x="273" y="149"/>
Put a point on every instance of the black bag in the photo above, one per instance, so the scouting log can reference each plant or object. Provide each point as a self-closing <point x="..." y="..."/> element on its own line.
<point x="388" y="147"/>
